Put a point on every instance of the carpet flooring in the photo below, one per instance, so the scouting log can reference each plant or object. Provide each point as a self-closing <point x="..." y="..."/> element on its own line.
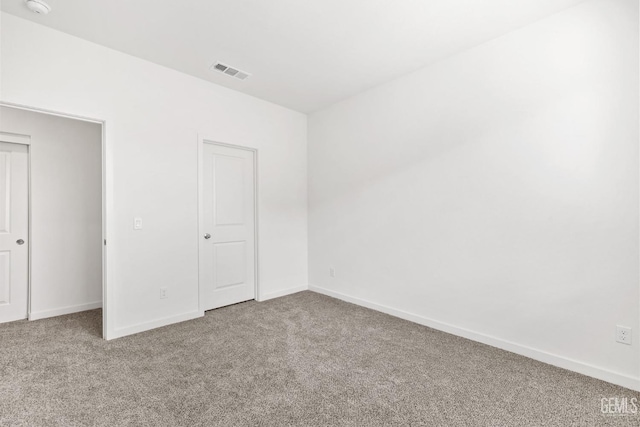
<point x="301" y="360"/>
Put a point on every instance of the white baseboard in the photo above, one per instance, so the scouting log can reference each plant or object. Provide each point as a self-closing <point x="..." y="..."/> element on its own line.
<point x="539" y="355"/>
<point x="142" y="327"/>
<point x="146" y="326"/>
<point x="43" y="314"/>
<point x="288" y="291"/>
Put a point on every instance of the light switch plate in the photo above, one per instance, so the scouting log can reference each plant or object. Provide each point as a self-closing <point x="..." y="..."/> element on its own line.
<point x="137" y="223"/>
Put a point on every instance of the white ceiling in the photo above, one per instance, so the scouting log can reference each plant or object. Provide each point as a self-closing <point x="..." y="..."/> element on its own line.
<point x="304" y="55"/>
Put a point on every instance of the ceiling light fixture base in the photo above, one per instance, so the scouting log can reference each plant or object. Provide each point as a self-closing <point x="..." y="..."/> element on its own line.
<point x="38" y="6"/>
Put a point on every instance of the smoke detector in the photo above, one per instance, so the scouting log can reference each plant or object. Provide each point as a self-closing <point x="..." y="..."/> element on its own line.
<point x="38" y="6"/>
<point x="230" y="71"/>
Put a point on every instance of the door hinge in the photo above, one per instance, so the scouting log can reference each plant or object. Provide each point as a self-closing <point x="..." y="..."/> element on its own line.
<point x="105" y="242"/>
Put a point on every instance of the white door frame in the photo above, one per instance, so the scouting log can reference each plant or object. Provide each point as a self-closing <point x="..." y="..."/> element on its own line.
<point x="201" y="231"/>
<point x="105" y="294"/>
<point x="14" y="138"/>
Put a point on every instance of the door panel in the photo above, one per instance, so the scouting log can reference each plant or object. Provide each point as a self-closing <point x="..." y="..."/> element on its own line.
<point x="5" y="191"/>
<point x="14" y="228"/>
<point x="229" y="190"/>
<point x="5" y="278"/>
<point x="227" y="257"/>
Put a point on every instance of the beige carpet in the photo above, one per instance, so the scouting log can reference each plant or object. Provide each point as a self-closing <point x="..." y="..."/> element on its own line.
<point x="305" y="359"/>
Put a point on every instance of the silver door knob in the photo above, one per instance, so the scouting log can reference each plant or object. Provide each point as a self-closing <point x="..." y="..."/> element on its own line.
<point x="20" y="242"/>
<point x="207" y="236"/>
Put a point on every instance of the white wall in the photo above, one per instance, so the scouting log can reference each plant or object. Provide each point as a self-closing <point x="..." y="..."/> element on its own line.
<point x="66" y="210"/>
<point x="153" y="117"/>
<point x="495" y="194"/>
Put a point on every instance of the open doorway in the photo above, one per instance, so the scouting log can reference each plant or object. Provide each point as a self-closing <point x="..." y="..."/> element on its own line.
<point x="51" y="214"/>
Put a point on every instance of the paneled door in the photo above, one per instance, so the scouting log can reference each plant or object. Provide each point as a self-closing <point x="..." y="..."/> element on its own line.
<point x="227" y="240"/>
<point x="14" y="230"/>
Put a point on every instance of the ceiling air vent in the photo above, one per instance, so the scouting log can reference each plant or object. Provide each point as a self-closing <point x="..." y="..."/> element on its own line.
<point x="230" y="71"/>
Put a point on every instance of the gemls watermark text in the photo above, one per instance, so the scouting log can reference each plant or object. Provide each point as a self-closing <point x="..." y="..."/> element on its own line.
<point x="619" y="405"/>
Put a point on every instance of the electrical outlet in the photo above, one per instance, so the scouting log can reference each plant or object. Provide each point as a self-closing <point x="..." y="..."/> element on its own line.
<point x="623" y="335"/>
<point x="332" y="272"/>
<point x="137" y="223"/>
<point x="163" y="293"/>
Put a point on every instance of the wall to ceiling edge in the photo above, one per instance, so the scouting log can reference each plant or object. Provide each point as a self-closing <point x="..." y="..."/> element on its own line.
<point x="153" y="118"/>
<point x="494" y="195"/>
<point x="543" y="248"/>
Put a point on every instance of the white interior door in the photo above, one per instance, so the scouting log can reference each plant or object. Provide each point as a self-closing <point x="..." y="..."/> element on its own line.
<point x="14" y="230"/>
<point x="227" y="241"/>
